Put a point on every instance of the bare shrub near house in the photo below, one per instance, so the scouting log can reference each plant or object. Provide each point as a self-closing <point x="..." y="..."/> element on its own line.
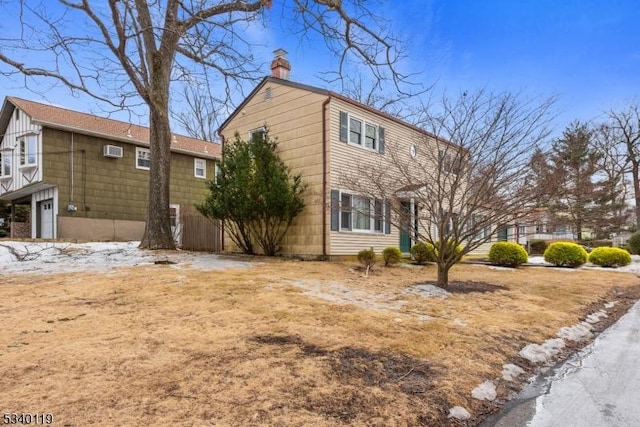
<point x="467" y="173"/>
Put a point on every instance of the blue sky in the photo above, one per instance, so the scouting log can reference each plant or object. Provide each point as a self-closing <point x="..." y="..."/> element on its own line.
<point x="585" y="52"/>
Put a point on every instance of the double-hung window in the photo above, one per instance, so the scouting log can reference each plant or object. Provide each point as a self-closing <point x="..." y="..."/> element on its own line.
<point x="5" y="163"/>
<point x="200" y="168"/>
<point x="450" y="162"/>
<point x="216" y="172"/>
<point x="356" y="131"/>
<point x="370" y="137"/>
<point x="143" y="158"/>
<point x="28" y="150"/>
<point x="359" y="213"/>
<point x="258" y="134"/>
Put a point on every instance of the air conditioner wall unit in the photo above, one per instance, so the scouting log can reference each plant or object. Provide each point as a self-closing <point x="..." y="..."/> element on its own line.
<point x="112" y="151"/>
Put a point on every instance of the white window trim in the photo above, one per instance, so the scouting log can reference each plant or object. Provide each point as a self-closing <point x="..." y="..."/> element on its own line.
<point x="142" y="150"/>
<point x="6" y="154"/>
<point x="256" y="130"/>
<point x="216" y="172"/>
<point x="27" y="152"/>
<point x="450" y="161"/>
<point x="363" y="133"/>
<point x="204" y="168"/>
<point x="372" y="219"/>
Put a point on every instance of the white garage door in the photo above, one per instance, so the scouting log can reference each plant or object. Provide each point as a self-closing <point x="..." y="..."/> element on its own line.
<point x="46" y="219"/>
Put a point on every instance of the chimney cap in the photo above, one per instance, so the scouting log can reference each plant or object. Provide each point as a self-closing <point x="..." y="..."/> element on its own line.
<point x="280" y="53"/>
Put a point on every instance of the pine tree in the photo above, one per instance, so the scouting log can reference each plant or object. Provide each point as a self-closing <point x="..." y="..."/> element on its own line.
<point x="256" y="192"/>
<point x="574" y="168"/>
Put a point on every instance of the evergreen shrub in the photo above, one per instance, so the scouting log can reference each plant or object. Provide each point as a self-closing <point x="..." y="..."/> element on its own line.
<point x="367" y="257"/>
<point x="507" y="254"/>
<point x="609" y="257"/>
<point x="423" y="252"/>
<point x="565" y="254"/>
<point x="391" y="255"/>
<point x="634" y="243"/>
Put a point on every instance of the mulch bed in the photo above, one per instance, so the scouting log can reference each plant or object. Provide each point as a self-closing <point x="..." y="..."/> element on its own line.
<point x="469" y="287"/>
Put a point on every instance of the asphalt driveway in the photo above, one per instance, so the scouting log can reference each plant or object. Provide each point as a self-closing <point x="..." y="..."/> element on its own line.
<point x="597" y="387"/>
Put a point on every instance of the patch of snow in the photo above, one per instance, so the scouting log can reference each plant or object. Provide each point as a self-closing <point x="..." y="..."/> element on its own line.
<point x="59" y="257"/>
<point x="498" y="268"/>
<point x="459" y="413"/>
<point x="511" y="372"/>
<point x="610" y="304"/>
<point x="634" y="267"/>
<point x="542" y="353"/>
<point x="340" y="294"/>
<point x="596" y="317"/>
<point x="579" y="332"/>
<point x="485" y="391"/>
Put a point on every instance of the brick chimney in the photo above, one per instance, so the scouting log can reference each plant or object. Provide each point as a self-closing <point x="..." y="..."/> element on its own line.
<point x="280" y="66"/>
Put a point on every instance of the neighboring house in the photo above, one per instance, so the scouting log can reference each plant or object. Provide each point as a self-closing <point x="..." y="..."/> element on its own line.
<point x="321" y="133"/>
<point x="87" y="177"/>
<point x="539" y="224"/>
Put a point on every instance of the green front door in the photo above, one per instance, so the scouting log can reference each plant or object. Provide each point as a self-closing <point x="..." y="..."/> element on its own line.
<point x="405" y="236"/>
<point x="503" y="234"/>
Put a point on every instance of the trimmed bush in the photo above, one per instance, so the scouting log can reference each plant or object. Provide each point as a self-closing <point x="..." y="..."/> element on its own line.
<point x="507" y="254"/>
<point x="634" y="243"/>
<point x="391" y="255"/>
<point x="565" y="254"/>
<point x="609" y="257"/>
<point x="537" y="247"/>
<point x="423" y="252"/>
<point x="367" y="257"/>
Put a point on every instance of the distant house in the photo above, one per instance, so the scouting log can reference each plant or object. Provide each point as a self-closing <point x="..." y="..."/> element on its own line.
<point x="539" y="224"/>
<point x="87" y="177"/>
<point x="320" y="134"/>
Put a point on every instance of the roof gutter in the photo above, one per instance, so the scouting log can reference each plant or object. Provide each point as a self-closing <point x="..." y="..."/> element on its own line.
<point x="324" y="175"/>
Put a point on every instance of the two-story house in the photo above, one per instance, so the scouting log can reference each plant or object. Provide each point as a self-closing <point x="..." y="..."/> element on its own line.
<point x="87" y="177"/>
<point x="321" y="134"/>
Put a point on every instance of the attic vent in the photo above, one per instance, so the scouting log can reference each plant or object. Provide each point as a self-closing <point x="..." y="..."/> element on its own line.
<point x="112" y="151"/>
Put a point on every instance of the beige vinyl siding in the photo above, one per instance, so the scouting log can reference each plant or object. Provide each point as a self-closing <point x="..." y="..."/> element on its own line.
<point x="294" y="117"/>
<point x="347" y="157"/>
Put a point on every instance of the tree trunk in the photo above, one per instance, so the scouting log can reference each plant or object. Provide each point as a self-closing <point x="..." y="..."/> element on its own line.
<point x="443" y="275"/>
<point x="157" y="233"/>
<point x="579" y="230"/>
<point x="635" y="173"/>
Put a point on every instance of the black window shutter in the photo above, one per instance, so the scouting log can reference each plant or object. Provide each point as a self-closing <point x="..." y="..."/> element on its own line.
<point x="387" y="217"/>
<point x="344" y="126"/>
<point x="335" y="210"/>
<point x="381" y="140"/>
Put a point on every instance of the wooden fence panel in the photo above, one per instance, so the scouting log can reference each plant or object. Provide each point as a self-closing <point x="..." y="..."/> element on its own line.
<point x="200" y="233"/>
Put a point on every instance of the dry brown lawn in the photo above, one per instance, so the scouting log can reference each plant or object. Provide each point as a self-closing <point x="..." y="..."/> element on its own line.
<point x="160" y="345"/>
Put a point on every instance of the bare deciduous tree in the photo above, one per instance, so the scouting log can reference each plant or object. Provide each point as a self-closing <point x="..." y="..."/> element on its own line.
<point x="624" y="129"/>
<point x="468" y="175"/>
<point x="124" y="51"/>
<point x="202" y="113"/>
<point x="614" y="165"/>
